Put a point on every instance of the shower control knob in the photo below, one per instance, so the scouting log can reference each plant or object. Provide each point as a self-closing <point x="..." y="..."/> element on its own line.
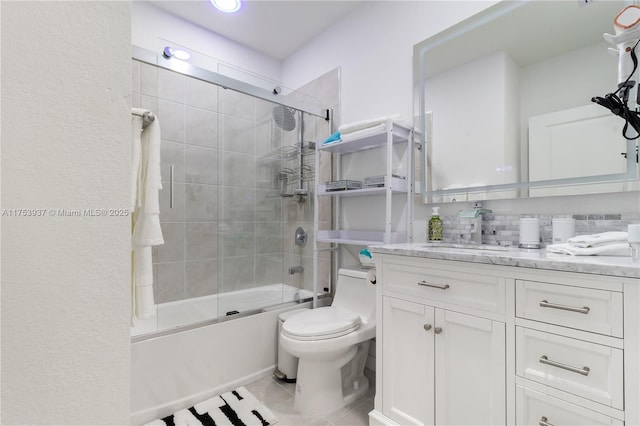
<point x="301" y="237"/>
<point x="427" y="327"/>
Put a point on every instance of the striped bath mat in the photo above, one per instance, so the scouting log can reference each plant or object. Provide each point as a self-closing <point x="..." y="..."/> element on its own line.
<point x="235" y="408"/>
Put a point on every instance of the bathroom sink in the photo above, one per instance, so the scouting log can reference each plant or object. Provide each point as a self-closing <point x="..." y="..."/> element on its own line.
<point x="478" y="247"/>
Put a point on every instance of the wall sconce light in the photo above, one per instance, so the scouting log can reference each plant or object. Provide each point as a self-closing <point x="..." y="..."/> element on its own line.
<point x="170" y="52"/>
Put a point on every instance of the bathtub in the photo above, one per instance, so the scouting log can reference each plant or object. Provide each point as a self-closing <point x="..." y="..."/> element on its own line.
<point x="181" y="313"/>
<point x="184" y="365"/>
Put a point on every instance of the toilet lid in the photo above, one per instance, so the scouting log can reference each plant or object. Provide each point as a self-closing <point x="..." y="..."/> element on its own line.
<point x="321" y="323"/>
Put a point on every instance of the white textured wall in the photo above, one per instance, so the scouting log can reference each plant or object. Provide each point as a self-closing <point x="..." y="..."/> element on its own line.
<point x="65" y="145"/>
<point x="373" y="46"/>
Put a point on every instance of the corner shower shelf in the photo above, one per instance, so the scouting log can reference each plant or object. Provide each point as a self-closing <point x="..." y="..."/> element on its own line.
<point x="292" y="151"/>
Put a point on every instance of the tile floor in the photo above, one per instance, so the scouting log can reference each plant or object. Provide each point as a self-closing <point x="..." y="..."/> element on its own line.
<point x="278" y="397"/>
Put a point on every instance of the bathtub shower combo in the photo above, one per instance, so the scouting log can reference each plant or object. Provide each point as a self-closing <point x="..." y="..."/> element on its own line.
<point x="237" y="170"/>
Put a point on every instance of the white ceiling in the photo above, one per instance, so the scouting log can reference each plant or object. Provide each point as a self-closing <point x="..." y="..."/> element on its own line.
<point x="276" y="28"/>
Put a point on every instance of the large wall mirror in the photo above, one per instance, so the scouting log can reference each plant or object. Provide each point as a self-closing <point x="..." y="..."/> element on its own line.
<point x="503" y="104"/>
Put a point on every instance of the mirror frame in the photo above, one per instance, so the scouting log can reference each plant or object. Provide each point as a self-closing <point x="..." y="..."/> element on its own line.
<point x="477" y="20"/>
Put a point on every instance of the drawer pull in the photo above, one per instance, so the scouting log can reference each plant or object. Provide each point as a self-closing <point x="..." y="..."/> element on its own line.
<point x="584" y="370"/>
<point x="546" y="304"/>
<point x="438" y="330"/>
<point x="438" y="286"/>
<point x="427" y="327"/>
<point x="544" y="422"/>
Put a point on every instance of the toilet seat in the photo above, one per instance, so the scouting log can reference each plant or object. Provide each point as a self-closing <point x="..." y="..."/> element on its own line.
<point x="321" y="324"/>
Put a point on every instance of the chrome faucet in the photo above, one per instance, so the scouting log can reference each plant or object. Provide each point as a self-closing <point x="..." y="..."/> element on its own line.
<point x="294" y="269"/>
<point x="476" y="216"/>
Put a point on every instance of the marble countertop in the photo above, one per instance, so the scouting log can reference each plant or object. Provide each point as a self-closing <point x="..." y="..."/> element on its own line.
<point x="512" y="256"/>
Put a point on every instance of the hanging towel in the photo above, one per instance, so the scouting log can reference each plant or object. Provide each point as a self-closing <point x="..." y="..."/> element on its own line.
<point x="146" y="183"/>
<point x="596" y="240"/>
<point x="143" y="275"/>
<point x="617" y="249"/>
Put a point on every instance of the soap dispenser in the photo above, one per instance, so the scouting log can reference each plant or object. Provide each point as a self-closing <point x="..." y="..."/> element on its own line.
<point x="435" y="226"/>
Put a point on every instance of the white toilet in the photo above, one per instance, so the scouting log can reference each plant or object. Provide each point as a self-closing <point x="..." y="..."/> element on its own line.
<point x="332" y="344"/>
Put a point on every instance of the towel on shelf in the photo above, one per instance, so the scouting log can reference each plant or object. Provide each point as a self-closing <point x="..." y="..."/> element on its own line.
<point x="365" y="124"/>
<point x="614" y="249"/>
<point x="334" y="137"/>
<point x="597" y="240"/>
<point x="146" y="231"/>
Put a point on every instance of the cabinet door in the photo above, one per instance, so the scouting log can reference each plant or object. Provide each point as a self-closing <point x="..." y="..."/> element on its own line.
<point x="469" y="369"/>
<point x="407" y="362"/>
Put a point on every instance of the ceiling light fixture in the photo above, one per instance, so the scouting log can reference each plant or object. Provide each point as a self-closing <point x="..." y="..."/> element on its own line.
<point x="169" y="52"/>
<point x="228" y="6"/>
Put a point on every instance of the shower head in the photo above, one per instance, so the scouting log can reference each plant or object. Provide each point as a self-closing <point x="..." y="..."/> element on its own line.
<point x="284" y="117"/>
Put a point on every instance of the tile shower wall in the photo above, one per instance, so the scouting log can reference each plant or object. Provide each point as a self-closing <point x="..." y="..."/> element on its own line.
<point x="504" y="229"/>
<point x="229" y="228"/>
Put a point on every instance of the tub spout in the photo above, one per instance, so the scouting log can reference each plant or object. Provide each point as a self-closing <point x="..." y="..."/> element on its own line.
<point x="294" y="269"/>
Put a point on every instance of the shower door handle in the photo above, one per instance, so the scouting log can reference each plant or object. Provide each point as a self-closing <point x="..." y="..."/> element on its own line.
<point x="171" y="186"/>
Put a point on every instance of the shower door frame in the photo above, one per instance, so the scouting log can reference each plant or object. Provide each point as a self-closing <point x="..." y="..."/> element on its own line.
<point x="309" y="107"/>
<point x="182" y="67"/>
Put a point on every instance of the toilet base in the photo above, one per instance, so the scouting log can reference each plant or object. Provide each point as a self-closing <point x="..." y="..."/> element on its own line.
<point x="282" y="377"/>
<point x="324" y="387"/>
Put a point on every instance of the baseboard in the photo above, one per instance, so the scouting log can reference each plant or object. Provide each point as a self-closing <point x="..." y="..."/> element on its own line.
<point x="159" y="411"/>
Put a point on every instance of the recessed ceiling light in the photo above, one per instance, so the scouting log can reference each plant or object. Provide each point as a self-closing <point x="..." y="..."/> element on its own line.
<point x="228" y="6"/>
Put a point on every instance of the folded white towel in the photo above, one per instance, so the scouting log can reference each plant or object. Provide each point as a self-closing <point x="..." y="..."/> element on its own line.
<point x="363" y="133"/>
<point x="595" y="240"/>
<point x="613" y="249"/>
<point x="364" y="124"/>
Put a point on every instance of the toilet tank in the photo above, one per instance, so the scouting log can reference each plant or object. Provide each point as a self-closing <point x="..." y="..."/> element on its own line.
<point x="355" y="293"/>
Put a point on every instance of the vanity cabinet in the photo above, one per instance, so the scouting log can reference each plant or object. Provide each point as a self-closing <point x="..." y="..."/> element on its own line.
<point x="443" y="345"/>
<point x="473" y="342"/>
<point x="436" y="361"/>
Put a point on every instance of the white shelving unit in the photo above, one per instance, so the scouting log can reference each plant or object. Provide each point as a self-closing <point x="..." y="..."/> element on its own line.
<point x="376" y="138"/>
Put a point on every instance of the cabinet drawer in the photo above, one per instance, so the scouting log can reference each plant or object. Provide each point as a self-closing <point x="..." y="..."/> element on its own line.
<point x="582" y="368"/>
<point x="534" y="408"/>
<point x="597" y="311"/>
<point x="472" y="290"/>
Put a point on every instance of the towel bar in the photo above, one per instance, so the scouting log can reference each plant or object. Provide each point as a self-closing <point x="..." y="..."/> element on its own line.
<point x="147" y="117"/>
